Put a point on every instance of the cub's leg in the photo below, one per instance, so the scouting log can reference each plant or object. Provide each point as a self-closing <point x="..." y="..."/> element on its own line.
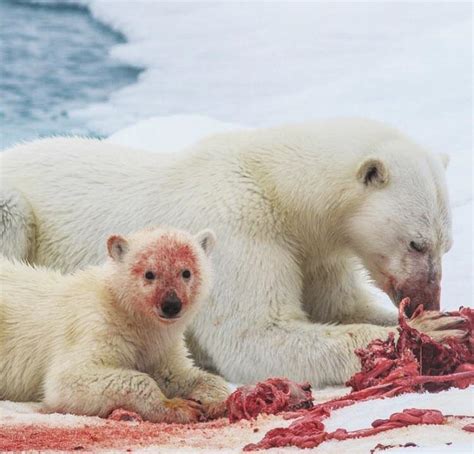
<point x="97" y="391"/>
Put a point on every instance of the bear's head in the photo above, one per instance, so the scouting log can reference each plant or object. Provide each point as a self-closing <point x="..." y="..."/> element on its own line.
<point x="161" y="273"/>
<point x="402" y="227"/>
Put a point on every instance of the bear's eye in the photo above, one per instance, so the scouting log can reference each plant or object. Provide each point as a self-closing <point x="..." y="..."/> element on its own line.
<point x="418" y="247"/>
<point x="150" y="275"/>
<point x="186" y="274"/>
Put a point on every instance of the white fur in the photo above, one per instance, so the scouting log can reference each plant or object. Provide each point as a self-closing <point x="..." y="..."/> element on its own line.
<point x="297" y="224"/>
<point x="90" y="342"/>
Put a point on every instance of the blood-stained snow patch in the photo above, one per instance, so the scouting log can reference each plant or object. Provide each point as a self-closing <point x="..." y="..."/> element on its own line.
<point x="23" y="422"/>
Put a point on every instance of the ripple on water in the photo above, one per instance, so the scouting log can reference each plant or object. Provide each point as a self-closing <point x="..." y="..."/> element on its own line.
<point x="54" y="58"/>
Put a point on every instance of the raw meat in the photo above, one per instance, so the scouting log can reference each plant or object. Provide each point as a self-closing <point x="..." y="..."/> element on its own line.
<point x="308" y="431"/>
<point x="409" y="362"/>
<point x="413" y="363"/>
<point x="271" y="396"/>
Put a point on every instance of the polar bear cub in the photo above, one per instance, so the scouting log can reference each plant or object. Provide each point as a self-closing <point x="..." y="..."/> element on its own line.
<point x="111" y="336"/>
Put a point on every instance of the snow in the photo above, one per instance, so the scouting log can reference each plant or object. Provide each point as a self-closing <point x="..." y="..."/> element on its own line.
<point x="453" y="401"/>
<point x="169" y="134"/>
<point x="17" y="413"/>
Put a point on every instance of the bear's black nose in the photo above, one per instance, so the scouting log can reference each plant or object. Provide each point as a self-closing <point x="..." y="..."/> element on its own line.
<point x="171" y="305"/>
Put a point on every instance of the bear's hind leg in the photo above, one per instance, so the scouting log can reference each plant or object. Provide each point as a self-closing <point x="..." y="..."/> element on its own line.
<point x="17" y="225"/>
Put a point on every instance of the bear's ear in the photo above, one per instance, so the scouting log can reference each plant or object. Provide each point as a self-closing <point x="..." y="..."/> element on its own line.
<point x="117" y="246"/>
<point x="373" y="172"/>
<point x="444" y="159"/>
<point x="207" y="239"/>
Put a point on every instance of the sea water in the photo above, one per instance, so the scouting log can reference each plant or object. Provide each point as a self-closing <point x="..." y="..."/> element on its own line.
<point x="54" y="58"/>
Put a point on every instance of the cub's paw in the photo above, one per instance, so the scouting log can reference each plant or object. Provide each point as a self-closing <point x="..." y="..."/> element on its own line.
<point x="440" y="326"/>
<point x="183" y="411"/>
<point x="214" y="410"/>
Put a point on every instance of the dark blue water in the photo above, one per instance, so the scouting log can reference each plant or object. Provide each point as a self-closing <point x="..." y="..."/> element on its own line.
<point x="53" y="59"/>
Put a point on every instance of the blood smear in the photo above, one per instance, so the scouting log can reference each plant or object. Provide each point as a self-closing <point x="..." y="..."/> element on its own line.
<point x="111" y="434"/>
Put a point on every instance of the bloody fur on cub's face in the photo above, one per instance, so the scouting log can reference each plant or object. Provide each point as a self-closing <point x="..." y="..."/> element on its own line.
<point x="162" y="273"/>
<point x="163" y="268"/>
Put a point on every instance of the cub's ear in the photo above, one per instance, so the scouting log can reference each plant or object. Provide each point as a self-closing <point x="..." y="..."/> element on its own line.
<point x="444" y="159"/>
<point x="207" y="239"/>
<point x="373" y="172"/>
<point x="117" y="246"/>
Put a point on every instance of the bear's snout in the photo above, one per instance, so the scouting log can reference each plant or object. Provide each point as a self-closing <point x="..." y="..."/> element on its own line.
<point x="420" y="293"/>
<point x="171" y="305"/>
<point x="428" y="296"/>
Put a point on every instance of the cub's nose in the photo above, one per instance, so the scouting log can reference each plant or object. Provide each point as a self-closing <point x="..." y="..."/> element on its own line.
<point x="171" y="305"/>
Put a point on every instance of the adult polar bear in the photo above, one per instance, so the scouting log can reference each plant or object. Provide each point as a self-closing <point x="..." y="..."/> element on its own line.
<point x="295" y="208"/>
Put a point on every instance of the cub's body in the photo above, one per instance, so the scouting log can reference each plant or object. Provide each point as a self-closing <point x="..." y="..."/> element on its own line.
<point x="80" y="344"/>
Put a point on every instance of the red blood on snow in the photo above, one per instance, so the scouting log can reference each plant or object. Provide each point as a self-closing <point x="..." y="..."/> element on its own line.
<point x="109" y="435"/>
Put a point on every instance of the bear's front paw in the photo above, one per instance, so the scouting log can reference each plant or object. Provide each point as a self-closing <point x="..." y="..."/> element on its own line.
<point x="440" y="326"/>
<point x="183" y="411"/>
<point x="214" y="410"/>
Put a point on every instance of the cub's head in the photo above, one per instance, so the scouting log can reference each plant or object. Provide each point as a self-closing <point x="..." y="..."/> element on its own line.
<point x="161" y="273"/>
<point x="402" y="226"/>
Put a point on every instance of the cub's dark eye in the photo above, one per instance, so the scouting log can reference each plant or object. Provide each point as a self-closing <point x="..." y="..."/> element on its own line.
<point x="186" y="274"/>
<point x="418" y="247"/>
<point x="150" y="275"/>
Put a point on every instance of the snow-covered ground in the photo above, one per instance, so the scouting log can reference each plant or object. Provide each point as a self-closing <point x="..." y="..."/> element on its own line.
<point x="210" y="66"/>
